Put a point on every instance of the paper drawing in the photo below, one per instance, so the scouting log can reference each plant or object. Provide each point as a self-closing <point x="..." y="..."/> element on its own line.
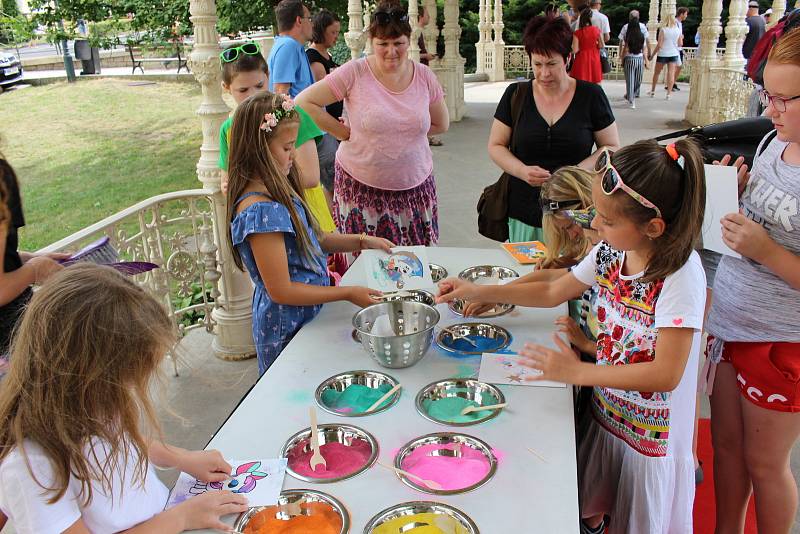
<point x="404" y="269"/>
<point x="526" y="252"/>
<point x="507" y="369"/>
<point x="722" y="198"/>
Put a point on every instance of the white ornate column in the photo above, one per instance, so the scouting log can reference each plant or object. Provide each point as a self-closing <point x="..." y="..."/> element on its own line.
<point x="778" y="10"/>
<point x="452" y="77"/>
<point x="667" y="8"/>
<point x="234" y="339"/>
<point x="355" y="29"/>
<point x="652" y="24"/>
<point x="498" y="72"/>
<point x="413" y="19"/>
<point x="431" y="32"/>
<point x="368" y="8"/>
<point x="698" y="111"/>
<point x="735" y="32"/>
<point x="484" y="37"/>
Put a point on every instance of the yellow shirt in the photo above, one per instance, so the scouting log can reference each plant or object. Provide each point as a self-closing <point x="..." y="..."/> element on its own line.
<point x="315" y="198"/>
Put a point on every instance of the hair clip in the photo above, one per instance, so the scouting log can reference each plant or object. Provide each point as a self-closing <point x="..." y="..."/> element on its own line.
<point x="673" y="153"/>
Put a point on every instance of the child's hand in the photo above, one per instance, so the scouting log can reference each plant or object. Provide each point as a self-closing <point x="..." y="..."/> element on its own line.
<point x="378" y="243"/>
<point x="205" y="510"/>
<point x="475" y="309"/>
<point x="364" y="296"/>
<point x="575" y="335"/>
<point x="746" y="237"/>
<point x="205" y="466"/>
<point x="43" y="268"/>
<point x="560" y="365"/>
<point x="455" y="288"/>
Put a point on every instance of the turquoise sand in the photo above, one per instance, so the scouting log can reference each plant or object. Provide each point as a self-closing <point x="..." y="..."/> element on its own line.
<point x="355" y="398"/>
<point x="449" y="408"/>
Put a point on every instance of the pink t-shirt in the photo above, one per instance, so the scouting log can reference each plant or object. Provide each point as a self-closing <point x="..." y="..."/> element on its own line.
<point x="388" y="146"/>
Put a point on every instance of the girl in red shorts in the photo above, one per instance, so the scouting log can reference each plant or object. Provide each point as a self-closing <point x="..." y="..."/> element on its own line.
<point x="755" y="320"/>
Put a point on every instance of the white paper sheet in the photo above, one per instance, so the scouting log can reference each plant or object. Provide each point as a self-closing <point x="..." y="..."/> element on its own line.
<point x="722" y="198"/>
<point x="505" y="369"/>
<point x="259" y="480"/>
<point x="405" y="268"/>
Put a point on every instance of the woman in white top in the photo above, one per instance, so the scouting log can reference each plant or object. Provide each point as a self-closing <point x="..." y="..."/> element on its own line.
<point x="667" y="51"/>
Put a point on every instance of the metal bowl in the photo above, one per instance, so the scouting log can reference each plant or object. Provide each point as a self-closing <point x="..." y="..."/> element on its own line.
<point x="330" y="433"/>
<point x="413" y="324"/>
<point x="421" y="507"/>
<point x="371" y="379"/>
<point x="438" y="273"/>
<point x="445" y="438"/>
<point x="291" y="497"/>
<point x="473" y="274"/>
<point x="411" y="295"/>
<point x="457" y="307"/>
<point x="498" y="334"/>
<point x="466" y="388"/>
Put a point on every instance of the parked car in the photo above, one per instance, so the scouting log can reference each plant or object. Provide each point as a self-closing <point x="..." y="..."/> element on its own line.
<point x="10" y="69"/>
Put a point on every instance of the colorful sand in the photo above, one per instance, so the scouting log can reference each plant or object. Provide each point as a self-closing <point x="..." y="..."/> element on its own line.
<point x="484" y="344"/>
<point x="342" y="460"/>
<point x="451" y="473"/>
<point x="449" y="408"/>
<point x="436" y="524"/>
<point x="321" y="519"/>
<point x="355" y="398"/>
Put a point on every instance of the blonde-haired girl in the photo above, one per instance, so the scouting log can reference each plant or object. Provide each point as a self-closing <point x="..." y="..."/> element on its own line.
<point x="273" y="234"/>
<point x="78" y="431"/>
<point x="667" y="52"/>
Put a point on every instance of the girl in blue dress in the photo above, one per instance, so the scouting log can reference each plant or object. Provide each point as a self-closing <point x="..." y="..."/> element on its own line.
<point x="273" y="234"/>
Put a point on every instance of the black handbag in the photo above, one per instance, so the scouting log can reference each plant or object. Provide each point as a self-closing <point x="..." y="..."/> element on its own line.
<point x="739" y="137"/>
<point x="605" y="65"/>
<point x="493" y="203"/>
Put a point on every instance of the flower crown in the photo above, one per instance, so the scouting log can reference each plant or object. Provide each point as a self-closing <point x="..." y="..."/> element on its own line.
<point x="271" y="120"/>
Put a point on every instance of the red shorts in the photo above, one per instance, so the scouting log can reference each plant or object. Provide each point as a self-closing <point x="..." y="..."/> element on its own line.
<point x="768" y="374"/>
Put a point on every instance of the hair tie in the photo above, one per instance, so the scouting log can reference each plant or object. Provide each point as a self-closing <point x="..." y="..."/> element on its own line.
<point x="673" y="153"/>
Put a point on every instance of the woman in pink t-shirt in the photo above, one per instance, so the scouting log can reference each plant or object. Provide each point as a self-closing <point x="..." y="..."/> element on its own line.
<point x="384" y="181"/>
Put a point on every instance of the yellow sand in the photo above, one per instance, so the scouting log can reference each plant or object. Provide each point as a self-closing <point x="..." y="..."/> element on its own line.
<point x="436" y="524"/>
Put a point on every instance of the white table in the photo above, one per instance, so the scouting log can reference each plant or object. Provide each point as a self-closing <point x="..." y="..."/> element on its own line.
<point x="525" y="495"/>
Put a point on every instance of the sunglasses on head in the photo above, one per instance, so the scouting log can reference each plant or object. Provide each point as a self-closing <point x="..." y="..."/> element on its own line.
<point x="552" y="206"/>
<point x="383" y="18"/>
<point x="611" y="181"/>
<point x="582" y="218"/>
<point x="232" y="54"/>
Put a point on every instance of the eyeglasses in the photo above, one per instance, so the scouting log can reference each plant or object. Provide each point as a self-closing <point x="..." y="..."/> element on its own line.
<point x="232" y="54"/>
<point x="778" y="102"/>
<point x="551" y="206"/>
<point x="383" y="18"/>
<point x="611" y="181"/>
<point x="582" y="218"/>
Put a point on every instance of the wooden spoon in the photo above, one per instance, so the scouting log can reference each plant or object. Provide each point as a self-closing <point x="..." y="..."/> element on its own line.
<point x="432" y="484"/>
<point x="380" y="401"/>
<point x="470" y="409"/>
<point x="316" y="457"/>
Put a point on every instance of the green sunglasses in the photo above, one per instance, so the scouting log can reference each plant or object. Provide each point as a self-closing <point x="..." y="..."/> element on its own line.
<point x="232" y="54"/>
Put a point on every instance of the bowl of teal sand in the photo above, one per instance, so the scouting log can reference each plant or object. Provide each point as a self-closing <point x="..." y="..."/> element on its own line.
<point x="352" y="393"/>
<point x="443" y="401"/>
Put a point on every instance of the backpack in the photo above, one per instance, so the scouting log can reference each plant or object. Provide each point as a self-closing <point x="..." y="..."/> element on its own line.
<point x="758" y="59"/>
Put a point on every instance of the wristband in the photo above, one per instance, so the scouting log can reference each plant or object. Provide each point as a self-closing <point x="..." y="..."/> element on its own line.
<point x="361" y="239"/>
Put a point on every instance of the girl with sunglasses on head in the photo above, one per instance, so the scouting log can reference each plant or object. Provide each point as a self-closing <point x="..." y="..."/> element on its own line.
<point x="635" y="463"/>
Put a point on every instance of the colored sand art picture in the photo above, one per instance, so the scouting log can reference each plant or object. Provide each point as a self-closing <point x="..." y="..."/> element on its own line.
<point x="296" y="518"/>
<point x="342" y="460"/>
<point x="465" y="469"/>
<point x="404" y="269"/>
<point x="427" y="523"/>
<point x="449" y="408"/>
<point x="506" y="369"/>
<point x="260" y="480"/>
<point x="355" y="399"/>
<point x="526" y="252"/>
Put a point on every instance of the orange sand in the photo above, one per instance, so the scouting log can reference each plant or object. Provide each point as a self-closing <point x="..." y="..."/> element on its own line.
<point x="323" y="520"/>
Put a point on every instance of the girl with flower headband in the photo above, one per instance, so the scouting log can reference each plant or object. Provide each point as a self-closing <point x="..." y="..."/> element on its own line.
<point x="635" y="463"/>
<point x="272" y="232"/>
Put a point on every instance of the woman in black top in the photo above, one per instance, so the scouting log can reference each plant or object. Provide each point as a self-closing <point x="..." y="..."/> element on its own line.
<point x="20" y="269"/>
<point x="325" y="32"/>
<point x="561" y="122"/>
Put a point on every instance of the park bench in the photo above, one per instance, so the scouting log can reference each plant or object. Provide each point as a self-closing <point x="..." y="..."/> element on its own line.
<point x="138" y="59"/>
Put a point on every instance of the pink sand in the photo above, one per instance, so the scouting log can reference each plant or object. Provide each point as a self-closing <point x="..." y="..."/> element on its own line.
<point x="451" y="473"/>
<point x="341" y="459"/>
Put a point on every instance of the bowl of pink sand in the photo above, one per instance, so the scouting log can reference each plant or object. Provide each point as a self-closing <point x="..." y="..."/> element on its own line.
<point x="348" y="451"/>
<point x="427" y="515"/>
<point x="352" y="393"/>
<point x="443" y="401"/>
<point x="459" y="463"/>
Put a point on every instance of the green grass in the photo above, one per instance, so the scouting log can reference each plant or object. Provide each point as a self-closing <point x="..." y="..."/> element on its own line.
<point x="87" y="150"/>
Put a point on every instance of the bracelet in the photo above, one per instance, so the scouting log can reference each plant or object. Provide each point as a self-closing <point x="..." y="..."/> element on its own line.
<point x="361" y="239"/>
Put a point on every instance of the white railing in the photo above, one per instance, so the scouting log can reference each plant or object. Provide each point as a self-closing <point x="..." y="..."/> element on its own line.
<point x="730" y="93"/>
<point x="176" y="232"/>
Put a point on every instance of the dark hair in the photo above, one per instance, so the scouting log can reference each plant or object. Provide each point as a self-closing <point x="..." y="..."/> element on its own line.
<point x="634" y="38"/>
<point x="320" y="23"/>
<point x="394" y="29"/>
<point x="681" y="11"/>
<point x="680" y="194"/>
<point x="548" y="36"/>
<point x="551" y="10"/>
<point x="585" y="19"/>
<point x="243" y="63"/>
<point x="286" y="13"/>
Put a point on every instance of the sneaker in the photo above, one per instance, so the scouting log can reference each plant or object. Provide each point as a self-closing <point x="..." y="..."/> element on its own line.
<point x="675" y="87"/>
<point x="633" y="105"/>
<point x="667" y="97"/>
<point x="599" y="529"/>
<point x="651" y="94"/>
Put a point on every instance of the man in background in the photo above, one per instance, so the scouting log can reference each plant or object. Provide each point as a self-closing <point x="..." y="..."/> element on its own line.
<point x="289" y="68"/>
<point x="756" y="27"/>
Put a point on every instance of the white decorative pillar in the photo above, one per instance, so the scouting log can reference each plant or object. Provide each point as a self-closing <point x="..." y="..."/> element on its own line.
<point x="778" y="9"/>
<point x="367" y="21"/>
<point x="234" y="339"/>
<point x="735" y="32"/>
<point x="431" y="32"/>
<point x="652" y="24"/>
<point x="498" y="46"/>
<point x="355" y="32"/>
<point x="484" y="37"/>
<point x="667" y="8"/>
<point x="413" y="19"/>
<point x="698" y="110"/>
<point x="452" y="62"/>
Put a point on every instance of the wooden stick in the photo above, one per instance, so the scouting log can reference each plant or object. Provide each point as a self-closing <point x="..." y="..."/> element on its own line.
<point x="470" y="409"/>
<point x="382" y="399"/>
<point x="429" y="483"/>
<point x="542" y="458"/>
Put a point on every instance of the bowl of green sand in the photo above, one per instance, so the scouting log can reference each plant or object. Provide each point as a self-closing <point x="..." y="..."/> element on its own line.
<point x="443" y="401"/>
<point x="352" y="393"/>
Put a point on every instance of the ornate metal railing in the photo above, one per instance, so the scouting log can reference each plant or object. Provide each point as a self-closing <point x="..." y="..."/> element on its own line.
<point x="175" y="231"/>
<point x="730" y="93"/>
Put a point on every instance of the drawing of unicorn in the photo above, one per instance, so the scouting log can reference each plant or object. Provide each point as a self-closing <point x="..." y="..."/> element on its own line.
<point x="243" y="479"/>
<point x="402" y="266"/>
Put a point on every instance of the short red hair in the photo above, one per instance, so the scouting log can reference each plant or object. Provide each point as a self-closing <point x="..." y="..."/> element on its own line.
<point x="548" y="36"/>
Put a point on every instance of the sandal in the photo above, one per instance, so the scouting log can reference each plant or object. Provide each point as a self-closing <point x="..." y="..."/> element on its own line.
<point x="434" y="141"/>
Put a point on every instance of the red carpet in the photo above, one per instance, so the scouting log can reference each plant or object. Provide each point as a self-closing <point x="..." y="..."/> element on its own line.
<point x="704" y="497"/>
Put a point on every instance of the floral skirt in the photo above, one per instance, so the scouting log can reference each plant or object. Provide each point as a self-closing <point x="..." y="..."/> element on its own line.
<point x="405" y="218"/>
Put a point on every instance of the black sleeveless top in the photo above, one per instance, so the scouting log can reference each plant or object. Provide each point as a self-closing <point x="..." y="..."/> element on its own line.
<point x="11" y="259"/>
<point x="314" y="56"/>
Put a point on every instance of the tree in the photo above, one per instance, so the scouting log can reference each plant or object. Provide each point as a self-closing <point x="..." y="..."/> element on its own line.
<point x="9" y="8"/>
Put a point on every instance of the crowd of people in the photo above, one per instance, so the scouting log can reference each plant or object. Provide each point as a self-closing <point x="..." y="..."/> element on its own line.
<point x="320" y="161"/>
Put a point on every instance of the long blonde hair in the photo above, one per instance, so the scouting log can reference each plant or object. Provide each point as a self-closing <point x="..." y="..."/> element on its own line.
<point x="567" y="183"/>
<point x="669" y="21"/>
<point x="82" y="360"/>
<point x="250" y="160"/>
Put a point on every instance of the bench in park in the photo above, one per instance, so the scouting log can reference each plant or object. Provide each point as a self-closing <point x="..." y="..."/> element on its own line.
<point x="138" y="59"/>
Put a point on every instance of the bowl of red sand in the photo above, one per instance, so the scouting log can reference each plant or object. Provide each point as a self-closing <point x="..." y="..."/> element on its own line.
<point x="297" y="512"/>
<point x="348" y="451"/>
<point x="457" y="462"/>
<point x="427" y="516"/>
